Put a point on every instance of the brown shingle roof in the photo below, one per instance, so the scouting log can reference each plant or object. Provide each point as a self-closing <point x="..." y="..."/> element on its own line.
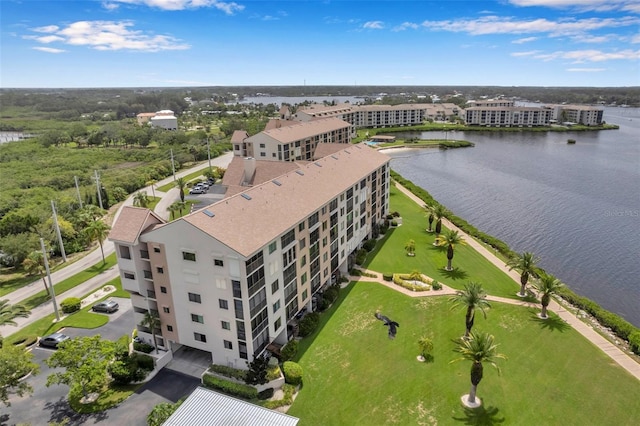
<point x="269" y="209"/>
<point x="265" y="171"/>
<point x="302" y="130"/>
<point x="239" y="136"/>
<point x="131" y="222"/>
<point x="324" y="149"/>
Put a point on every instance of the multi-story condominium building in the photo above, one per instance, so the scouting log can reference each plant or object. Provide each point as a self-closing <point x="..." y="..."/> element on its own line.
<point x="294" y="141"/>
<point x="578" y="114"/>
<point x="508" y="116"/>
<point x="502" y="103"/>
<point x="164" y="119"/>
<point x="229" y="279"/>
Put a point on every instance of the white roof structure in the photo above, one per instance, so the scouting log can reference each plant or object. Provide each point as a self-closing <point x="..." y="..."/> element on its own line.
<point x="205" y="407"/>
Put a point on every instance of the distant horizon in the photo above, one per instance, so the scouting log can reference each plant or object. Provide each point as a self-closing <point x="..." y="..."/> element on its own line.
<point x="85" y="44"/>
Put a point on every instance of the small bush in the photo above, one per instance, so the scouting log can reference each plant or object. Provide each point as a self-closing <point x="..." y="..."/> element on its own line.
<point x="369" y="245"/>
<point x="361" y="256"/>
<point x="273" y="372"/>
<point x="389" y="217"/>
<point x="265" y="394"/>
<point x="145" y="362"/>
<point x="383" y="229"/>
<point x="290" y="350"/>
<point x="634" y="342"/>
<point x="395" y="214"/>
<point x="436" y="285"/>
<point x="234" y="373"/>
<point x="143" y="347"/>
<point x="355" y="272"/>
<point x="387" y="277"/>
<point x="70" y="305"/>
<point x="322" y="306"/>
<point x="309" y="324"/>
<point x="394" y="223"/>
<point x="292" y="373"/>
<point x="231" y="388"/>
<point x="332" y="293"/>
<point x="288" y="391"/>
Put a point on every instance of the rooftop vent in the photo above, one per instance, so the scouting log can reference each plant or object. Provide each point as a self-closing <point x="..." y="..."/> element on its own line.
<point x="277" y="182"/>
<point x="246" y="196"/>
<point x="300" y="172"/>
<point x="208" y="213"/>
<point x="318" y="164"/>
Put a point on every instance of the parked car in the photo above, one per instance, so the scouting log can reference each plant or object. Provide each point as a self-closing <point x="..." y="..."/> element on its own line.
<point x="108" y="306"/>
<point x="53" y="340"/>
<point x="197" y="190"/>
<point x="203" y="184"/>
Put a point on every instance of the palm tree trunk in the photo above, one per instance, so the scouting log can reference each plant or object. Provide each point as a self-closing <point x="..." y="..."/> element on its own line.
<point x="102" y="251"/>
<point x="543" y="314"/>
<point x="472" y="394"/>
<point x="449" y="267"/>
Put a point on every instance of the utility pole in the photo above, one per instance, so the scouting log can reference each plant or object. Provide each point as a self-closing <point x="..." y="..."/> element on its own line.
<point x="75" y="178"/>
<point x="173" y="166"/>
<point x="46" y="267"/>
<point x="209" y="155"/>
<point x="97" y="178"/>
<point x="55" y="223"/>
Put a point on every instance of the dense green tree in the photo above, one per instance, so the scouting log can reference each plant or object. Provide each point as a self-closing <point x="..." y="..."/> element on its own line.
<point x="547" y="285"/>
<point x="15" y="363"/>
<point x="34" y="265"/>
<point x="472" y="297"/>
<point x="16" y="248"/>
<point x="450" y="239"/>
<point x="526" y="264"/>
<point x="257" y="371"/>
<point x="85" y="361"/>
<point x="479" y="347"/>
<point x="161" y="413"/>
<point x="140" y="199"/>
<point x="98" y="231"/>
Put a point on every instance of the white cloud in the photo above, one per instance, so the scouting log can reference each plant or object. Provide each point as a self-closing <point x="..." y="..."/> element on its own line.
<point x="593" y="39"/>
<point x="406" y="25"/>
<point x="227" y="7"/>
<point x="507" y="25"/>
<point x="110" y="5"/>
<point x="635" y="39"/>
<point x="586" y="69"/>
<point x="583" y="5"/>
<point x="108" y="35"/>
<point x="590" y="55"/>
<point x="524" y="40"/>
<point x="373" y="25"/>
<point x="48" y="49"/>
<point x="527" y="53"/>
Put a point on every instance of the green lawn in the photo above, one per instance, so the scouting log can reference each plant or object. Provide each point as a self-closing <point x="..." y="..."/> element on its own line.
<point x="468" y="264"/>
<point x="187" y="178"/>
<point x="355" y="375"/>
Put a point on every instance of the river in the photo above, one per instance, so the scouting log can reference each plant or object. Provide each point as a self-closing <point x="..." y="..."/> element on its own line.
<point x="577" y="207"/>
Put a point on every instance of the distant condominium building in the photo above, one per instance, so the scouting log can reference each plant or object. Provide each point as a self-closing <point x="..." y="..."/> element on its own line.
<point x="577" y="114"/>
<point x="508" y="116"/>
<point x="164" y="119"/>
<point x="229" y="279"/>
<point x="491" y="103"/>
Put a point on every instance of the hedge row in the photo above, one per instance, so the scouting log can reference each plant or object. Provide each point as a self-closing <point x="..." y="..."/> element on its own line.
<point x="70" y="305"/>
<point x="234" y="373"/>
<point x="231" y="388"/>
<point x="292" y="372"/>
<point x="309" y="324"/>
<point x="619" y="326"/>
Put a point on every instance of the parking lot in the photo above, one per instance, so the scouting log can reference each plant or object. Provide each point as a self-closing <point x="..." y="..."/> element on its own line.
<point x="49" y="404"/>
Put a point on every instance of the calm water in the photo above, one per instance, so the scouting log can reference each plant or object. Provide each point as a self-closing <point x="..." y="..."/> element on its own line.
<point x="577" y="207"/>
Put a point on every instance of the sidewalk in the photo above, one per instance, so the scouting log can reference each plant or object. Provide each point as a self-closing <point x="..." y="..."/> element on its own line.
<point x="615" y="353"/>
<point x="95" y="256"/>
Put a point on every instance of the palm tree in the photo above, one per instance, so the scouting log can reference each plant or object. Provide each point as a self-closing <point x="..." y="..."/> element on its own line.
<point x="152" y="321"/>
<point x="425" y="344"/>
<point x="152" y="183"/>
<point x="478" y="348"/>
<point x="526" y="264"/>
<point x="34" y="265"/>
<point x="181" y="183"/>
<point x="472" y="297"/>
<point x="449" y="239"/>
<point x="547" y="285"/>
<point x="98" y="230"/>
<point x="429" y="213"/>
<point x="8" y="312"/>
<point x="439" y="211"/>
<point x="173" y="208"/>
<point x="141" y="199"/>
<point x="410" y="247"/>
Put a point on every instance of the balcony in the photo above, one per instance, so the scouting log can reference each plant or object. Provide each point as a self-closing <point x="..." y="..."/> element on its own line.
<point x="151" y="294"/>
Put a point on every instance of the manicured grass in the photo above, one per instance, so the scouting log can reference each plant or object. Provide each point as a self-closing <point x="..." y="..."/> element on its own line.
<point x="71" y="282"/>
<point x="353" y="374"/>
<point x="111" y="397"/>
<point x="81" y="319"/>
<point x="468" y="264"/>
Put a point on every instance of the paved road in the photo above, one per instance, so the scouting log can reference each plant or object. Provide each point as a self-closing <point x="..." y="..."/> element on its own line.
<point x="96" y="256"/>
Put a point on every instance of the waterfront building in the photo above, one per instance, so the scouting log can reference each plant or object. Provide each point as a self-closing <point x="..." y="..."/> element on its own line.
<point x="231" y="278"/>
<point x="577" y="114"/>
<point x="490" y="116"/>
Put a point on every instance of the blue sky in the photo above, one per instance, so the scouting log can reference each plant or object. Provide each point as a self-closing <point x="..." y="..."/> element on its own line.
<point x="154" y="43"/>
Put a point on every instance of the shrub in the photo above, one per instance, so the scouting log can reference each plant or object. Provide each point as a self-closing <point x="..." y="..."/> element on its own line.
<point x="142" y="347"/>
<point x="309" y="324"/>
<point x="257" y="373"/>
<point x="394" y="223"/>
<point x="355" y="272"/>
<point x="387" y="277"/>
<point x="287" y="399"/>
<point x="273" y="372"/>
<point x="231" y="388"/>
<point x="24" y="341"/>
<point x="322" y="306"/>
<point x="369" y="245"/>
<point x="634" y="342"/>
<point x="292" y="373"/>
<point x="145" y="362"/>
<point x="332" y="293"/>
<point x="436" y="285"/>
<point x="234" y="373"/>
<point x="395" y="214"/>
<point x="265" y="394"/>
<point x="70" y="305"/>
<point x="132" y="368"/>
<point x="383" y="229"/>
<point x="361" y="256"/>
<point x="289" y="350"/>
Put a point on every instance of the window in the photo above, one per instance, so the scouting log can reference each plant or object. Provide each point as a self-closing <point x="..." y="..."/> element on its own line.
<point x="303" y="261"/>
<point x="301" y="227"/>
<point x="274" y="286"/>
<point x="277" y="324"/>
<point x="160" y="270"/>
<point x="288" y="238"/>
<point x="156" y="249"/>
<point x="197" y="318"/>
<point x="262" y="154"/>
<point x="218" y="262"/>
<point x="261" y="145"/>
<point x="129" y="276"/>
<point x="276" y="306"/>
<point x="200" y="337"/>
<point x="226" y="325"/>
<point x="237" y="291"/>
<point x="169" y="328"/>
<point x="163" y="289"/>
<point x="303" y="279"/>
<point x="189" y="256"/>
<point x="273" y="246"/>
<point x="195" y="298"/>
<point x="304" y="295"/>
<point x="223" y="304"/>
<point x="166" y="310"/>
<point x="125" y="253"/>
<point x="228" y="345"/>
<point x="303" y="243"/>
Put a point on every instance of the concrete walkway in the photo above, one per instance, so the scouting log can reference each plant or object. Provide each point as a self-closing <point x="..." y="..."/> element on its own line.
<point x="615" y="353"/>
<point x="95" y="256"/>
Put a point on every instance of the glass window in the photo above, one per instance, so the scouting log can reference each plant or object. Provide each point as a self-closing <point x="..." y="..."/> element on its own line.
<point x="195" y="298"/>
<point x="169" y="328"/>
<point x="276" y="306"/>
<point x="223" y="304"/>
<point x="226" y="325"/>
<point x="228" y="345"/>
<point x="218" y="262"/>
<point x="160" y="270"/>
<point x="277" y="324"/>
<point x="197" y="318"/>
<point x="200" y="337"/>
<point x="189" y="256"/>
<point x="129" y="276"/>
<point x="156" y="249"/>
<point x="273" y="246"/>
<point x="163" y="289"/>
<point x="166" y="309"/>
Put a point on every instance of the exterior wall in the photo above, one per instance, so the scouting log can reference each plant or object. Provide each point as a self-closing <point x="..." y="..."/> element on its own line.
<point x="165" y="122"/>
<point x="508" y="116"/>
